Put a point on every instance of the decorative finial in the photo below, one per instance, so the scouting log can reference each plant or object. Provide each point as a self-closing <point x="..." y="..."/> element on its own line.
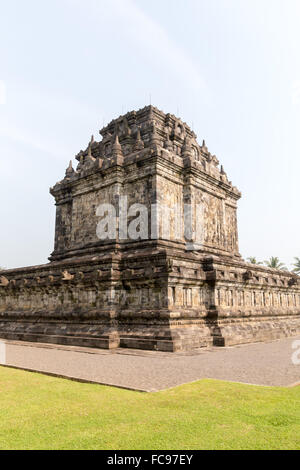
<point x="117" y="142"/>
<point x="223" y="176"/>
<point x="139" y="144"/>
<point x="186" y="150"/>
<point x="155" y="138"/>
<point x="204" y="147"/>
<point x="70" y="170"/>
<point x="116" y="146"/>
<point x="122" y="128"/>
<point x="90" y="160"/>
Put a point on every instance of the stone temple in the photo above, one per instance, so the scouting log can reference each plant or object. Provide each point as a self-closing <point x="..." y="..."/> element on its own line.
<point x="167" y="275"/>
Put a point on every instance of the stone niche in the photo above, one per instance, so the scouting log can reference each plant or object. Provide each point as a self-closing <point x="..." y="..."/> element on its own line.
<point x="174" y="282"/>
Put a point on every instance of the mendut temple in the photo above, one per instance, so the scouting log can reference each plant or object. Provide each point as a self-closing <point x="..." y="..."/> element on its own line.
<point x="163" y="271"/>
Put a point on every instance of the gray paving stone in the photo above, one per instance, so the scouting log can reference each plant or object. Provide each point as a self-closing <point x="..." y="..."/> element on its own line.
<point x="268" y="364"/>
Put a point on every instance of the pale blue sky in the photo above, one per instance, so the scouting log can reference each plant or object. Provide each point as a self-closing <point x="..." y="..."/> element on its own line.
<point x="230" y="67"/>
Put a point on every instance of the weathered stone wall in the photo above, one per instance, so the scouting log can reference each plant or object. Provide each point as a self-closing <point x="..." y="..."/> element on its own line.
<point x="152" y="159"/>
<point x="152" y="301"/>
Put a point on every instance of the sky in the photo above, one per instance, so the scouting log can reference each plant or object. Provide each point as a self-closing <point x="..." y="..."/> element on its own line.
<point x="229" y="68"/>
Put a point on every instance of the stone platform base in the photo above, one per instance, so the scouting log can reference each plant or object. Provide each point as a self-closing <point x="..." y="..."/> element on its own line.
<point x="230" y="332"/>
<point x="75" y="334"/>
<point x="168" y="338"/>
<point x="156" y="338"/>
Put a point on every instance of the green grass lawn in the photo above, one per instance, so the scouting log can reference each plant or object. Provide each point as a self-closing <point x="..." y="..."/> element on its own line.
<point x="42" y="412"/>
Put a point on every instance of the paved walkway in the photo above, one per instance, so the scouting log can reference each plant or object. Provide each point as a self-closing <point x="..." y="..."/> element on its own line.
<point x="259" y="363"/>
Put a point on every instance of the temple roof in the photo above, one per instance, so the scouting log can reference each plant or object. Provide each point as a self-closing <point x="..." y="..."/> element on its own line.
<point x="148" y="129"/>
